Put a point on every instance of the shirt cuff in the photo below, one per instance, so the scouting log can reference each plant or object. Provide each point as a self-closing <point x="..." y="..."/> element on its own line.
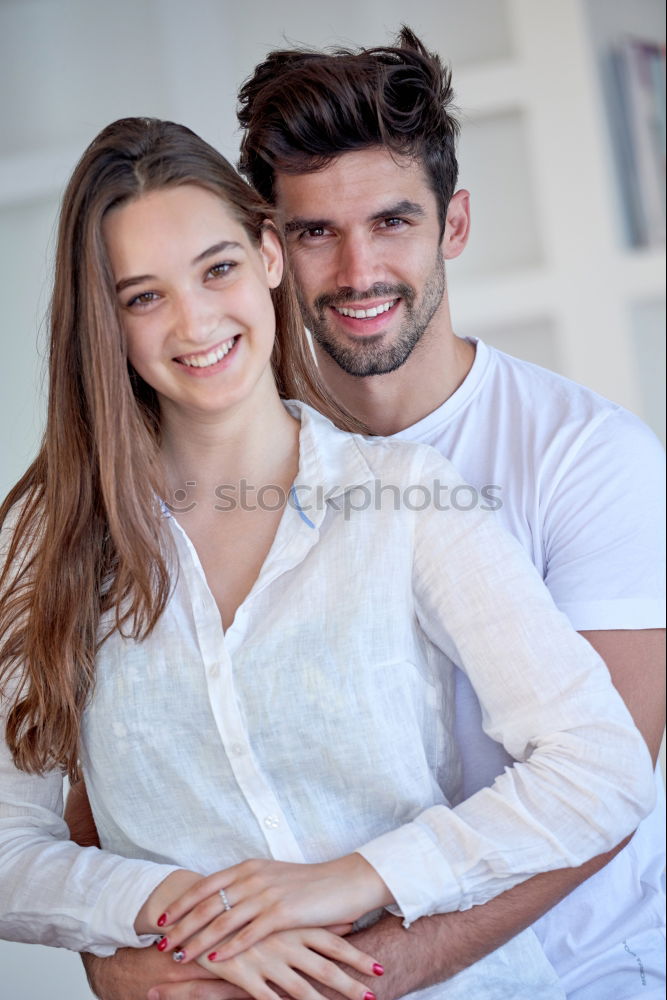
<point x="117" y="907"/>
<point x="593" y="616"/>
<point x="410" y="862"/>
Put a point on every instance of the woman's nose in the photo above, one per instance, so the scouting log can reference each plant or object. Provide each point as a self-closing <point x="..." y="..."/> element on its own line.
<point x="196" y="319"/>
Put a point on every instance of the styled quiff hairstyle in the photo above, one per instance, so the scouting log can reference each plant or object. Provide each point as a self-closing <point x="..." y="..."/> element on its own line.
<point x="302" y="108"/>
<point x="84" y="542"/>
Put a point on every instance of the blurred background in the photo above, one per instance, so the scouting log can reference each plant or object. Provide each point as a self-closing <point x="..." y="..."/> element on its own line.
<point x="562" y="148"/>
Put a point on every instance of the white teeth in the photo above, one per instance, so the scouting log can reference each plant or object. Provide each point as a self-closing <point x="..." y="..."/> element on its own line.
<point x="204" y="360"/>
<point x="365" y="313"/>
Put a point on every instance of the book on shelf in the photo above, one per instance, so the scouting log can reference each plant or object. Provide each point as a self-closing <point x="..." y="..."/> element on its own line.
<point x="638" y="120"/>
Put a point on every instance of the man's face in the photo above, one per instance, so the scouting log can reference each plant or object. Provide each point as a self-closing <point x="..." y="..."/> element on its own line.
<point x="363" y="236"/>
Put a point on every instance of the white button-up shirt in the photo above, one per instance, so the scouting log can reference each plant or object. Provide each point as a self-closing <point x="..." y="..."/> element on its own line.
<point x="321" y="721"/>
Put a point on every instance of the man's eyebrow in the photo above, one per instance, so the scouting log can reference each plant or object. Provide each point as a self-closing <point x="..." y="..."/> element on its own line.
<point x="296" y="224"/>
<point x="216" y="248"/>
<point x="405" y="207"/>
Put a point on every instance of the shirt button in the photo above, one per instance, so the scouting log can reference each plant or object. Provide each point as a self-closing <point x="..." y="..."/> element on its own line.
<point x="271" y="823"/>
<point x="237" y="749"/>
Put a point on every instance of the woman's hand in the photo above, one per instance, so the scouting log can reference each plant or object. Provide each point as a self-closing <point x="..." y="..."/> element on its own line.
<point x="146" y="920"/>
<point x="257" y="898"/>
<point x="283" y="959"/>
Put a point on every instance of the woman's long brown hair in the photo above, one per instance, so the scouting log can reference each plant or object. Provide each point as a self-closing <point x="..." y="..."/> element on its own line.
<point x="86" y="535"/>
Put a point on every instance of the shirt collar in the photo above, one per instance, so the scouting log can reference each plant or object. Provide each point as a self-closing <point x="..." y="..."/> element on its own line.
<point x="328" y="457"/>
<point x="330" y="460"/>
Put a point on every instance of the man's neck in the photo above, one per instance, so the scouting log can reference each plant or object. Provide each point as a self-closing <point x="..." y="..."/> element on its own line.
<point x="389" y="403"/>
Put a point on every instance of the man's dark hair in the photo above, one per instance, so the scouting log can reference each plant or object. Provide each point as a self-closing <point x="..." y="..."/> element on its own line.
<point x="302" y="108"/>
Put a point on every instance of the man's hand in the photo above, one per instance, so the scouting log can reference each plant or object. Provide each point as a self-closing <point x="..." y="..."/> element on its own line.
<point x="137" y="973"/>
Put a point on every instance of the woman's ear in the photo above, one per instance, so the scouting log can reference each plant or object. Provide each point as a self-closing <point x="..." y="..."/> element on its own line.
<point x="272" y="254"/>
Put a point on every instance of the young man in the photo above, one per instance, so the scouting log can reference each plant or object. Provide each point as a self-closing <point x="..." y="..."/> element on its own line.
<point x="358" y="153"/>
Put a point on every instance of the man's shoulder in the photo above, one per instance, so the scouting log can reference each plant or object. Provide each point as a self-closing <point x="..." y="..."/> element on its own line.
<point x="547" y="390"/>
<point x="555" y="409"/>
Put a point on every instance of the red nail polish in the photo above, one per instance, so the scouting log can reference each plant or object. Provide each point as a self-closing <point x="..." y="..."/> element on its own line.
<point x="378" y="969"/>
<point x="369" y="996"/>
<point x="212" y="957"/>
<point x="162" y="944"/>
<point x="161" y="921"/>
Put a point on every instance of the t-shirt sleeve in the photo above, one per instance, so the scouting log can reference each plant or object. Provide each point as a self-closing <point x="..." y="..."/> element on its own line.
<point x="604" y="527"/>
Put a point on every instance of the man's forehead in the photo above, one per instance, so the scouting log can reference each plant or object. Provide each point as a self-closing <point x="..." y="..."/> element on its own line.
<point x="366" y="183"/>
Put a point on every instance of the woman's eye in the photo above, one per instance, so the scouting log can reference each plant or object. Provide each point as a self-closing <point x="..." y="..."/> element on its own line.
<point x="143" y="299"/>
<point x="220" y="270"/>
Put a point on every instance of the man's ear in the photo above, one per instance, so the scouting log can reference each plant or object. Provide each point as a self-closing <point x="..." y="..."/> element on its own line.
<point x="457" y="225"/>
<point x="272" y="254"/>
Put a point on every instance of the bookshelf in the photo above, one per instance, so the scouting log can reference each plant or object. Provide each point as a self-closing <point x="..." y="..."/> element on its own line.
<point x="594" y="303"/>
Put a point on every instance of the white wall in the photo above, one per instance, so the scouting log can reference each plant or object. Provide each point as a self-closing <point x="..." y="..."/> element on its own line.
<point x="68" y="67"/>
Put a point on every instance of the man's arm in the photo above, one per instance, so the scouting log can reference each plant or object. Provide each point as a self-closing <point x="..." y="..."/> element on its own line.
<point x="636" y="662"/>
<point x="437" y="947"/>
<point x="132" y="972"/>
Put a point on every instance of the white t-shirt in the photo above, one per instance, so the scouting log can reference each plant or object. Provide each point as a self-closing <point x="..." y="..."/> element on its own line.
<point x="580" y="483"/>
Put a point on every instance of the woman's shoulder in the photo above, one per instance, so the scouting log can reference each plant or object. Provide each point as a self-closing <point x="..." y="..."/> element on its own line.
<point x="421" y="463"/>
<point x="383" y="458"/>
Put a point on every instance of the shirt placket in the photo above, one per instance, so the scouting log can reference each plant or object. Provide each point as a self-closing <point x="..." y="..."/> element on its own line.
<point x="218" y="650"/>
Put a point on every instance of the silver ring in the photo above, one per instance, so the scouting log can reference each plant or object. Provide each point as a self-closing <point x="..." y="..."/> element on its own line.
<point x="225" y="899"/>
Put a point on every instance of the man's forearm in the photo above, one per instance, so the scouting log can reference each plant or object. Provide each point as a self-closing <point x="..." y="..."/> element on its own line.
<point x="435" y="948"/>
<point x="431" y="950"/>
<point x="131" y="972"/>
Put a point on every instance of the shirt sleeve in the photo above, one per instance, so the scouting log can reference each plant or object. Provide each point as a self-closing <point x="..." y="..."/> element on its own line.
<point x="582" y="778"/>
<point x="604" y="527"/>
<point x="52" y="891"/>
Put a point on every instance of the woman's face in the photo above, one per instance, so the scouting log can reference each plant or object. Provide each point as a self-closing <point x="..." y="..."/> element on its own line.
<point x="194" y="293"/>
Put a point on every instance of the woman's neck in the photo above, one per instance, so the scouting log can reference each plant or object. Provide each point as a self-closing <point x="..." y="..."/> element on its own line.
<point x="202" y="454"/>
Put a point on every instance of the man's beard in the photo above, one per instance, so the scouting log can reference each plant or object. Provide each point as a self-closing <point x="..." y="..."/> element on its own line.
<point x="368" y="356"/>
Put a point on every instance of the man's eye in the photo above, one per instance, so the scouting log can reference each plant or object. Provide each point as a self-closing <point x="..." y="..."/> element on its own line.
<point x="314" y="233"/>
<point x="393" y="223"/>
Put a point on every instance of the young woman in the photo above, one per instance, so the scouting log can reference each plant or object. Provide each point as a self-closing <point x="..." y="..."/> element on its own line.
<point x="240" y="623"/>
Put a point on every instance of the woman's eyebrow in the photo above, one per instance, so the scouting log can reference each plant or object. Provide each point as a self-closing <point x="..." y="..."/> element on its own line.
<point x="216" y="248"/>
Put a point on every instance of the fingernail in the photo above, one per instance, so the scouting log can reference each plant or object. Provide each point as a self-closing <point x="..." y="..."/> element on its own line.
<point x="212" y="957"/>
<point x="162" y="944"/>
<point x="153" y="994"/>
<point x="161" y="921"/>
<point x="179" y="955"/>
<point x="378" y="969"/>
<point x="369" y="996"/>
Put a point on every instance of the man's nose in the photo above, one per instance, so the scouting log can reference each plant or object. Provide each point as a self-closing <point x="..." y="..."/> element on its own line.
<point x="357" y="263"/>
